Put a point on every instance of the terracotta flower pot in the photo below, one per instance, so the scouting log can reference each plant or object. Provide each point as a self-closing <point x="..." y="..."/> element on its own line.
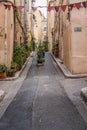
<point x="3" y="75"/>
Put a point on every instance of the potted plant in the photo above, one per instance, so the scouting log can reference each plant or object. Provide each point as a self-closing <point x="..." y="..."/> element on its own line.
<point x="14" y="66"/>
<point x="3" y="71"/>
<point x="10" y="72"/>
<point x="40" y="55"/>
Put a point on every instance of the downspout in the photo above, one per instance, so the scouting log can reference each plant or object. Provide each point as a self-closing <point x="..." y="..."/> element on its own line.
<point x="14" y="26"/>
<point x="5" y="37"/>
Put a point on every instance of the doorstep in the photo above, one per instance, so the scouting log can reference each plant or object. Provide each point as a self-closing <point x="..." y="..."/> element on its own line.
<point x="84" y="94"/>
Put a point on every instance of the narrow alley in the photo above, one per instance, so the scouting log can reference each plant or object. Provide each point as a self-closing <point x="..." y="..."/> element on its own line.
<point x="42" y="103"/>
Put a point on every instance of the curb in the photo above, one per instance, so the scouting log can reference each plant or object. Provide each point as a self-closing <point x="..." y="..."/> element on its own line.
<point x="84" y="94"/>
<point x="2" y="94"/>
<point x="64" y="69"/>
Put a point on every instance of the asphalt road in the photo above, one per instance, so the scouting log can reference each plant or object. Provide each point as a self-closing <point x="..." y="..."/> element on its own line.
<point x="41" y="103"/>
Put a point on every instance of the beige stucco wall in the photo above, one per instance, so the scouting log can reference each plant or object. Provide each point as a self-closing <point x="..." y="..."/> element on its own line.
<point x="79" y="41"/>
<point x="50" y="25"/>
<point x="10" y="36"/>
<point x="67" y="48"/>
<point x="19" y="38"/>
<point x="74" y="47"/>
<point x="38" y="25"/>
<point x="2" y="33"/>
<point x="6" y="44"/>
<point x="29" y="21"/>
<point x="44" y="29"/>
<point x="7" y="27"/>
<point x="75" y="42"/>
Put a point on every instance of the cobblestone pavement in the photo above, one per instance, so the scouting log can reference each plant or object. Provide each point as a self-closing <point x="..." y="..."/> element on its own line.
<point x="42" y="103"/>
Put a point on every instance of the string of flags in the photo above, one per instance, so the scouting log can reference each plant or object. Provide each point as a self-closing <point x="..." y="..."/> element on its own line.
<point x="49" y="8"/>
<point x="7" y="6"/>
<point x="63" y="7"/>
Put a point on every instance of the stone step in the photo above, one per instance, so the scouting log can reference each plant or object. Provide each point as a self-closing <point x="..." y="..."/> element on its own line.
<point x="84" y="93"/>
<point x="2" y="94"/>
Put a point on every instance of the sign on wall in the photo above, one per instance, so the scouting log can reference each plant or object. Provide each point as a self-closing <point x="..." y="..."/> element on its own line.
<point x="77" y="29"/>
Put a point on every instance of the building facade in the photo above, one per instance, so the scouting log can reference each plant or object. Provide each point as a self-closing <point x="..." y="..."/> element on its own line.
<point x="38" y="17"/>
<point x="44" y="29"/>
<point x="70" y="31"/>
<point x="12" y="31"/>
<point x="51" y="14"/>
<point x="73" y="39"/>
<point x="6" y="33"/>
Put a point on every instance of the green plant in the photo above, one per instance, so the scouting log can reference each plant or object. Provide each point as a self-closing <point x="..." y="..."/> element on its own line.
<point x="10" y="72"/>
<point x="3" y="68"/>
<point x="14" y="66"/>
<point x="45" y="44"/>
<point x="20" y="55"/>
<point x="55" y="49"/>
<point x="40" y="57"/>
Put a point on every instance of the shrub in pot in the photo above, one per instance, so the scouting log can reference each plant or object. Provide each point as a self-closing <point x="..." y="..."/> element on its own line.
<point x="3" y="71"/>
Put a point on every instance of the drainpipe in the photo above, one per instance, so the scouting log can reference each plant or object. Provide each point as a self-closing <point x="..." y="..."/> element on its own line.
<point x="14" y="17"/>
<point x="5" y="37"/>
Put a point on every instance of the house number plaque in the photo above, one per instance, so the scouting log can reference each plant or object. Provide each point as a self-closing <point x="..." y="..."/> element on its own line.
<point x="77" y="29"/>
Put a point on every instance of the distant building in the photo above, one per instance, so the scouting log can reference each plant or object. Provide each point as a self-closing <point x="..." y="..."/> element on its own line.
<point x="28" y="19"/>
<point x="44" y="29"/>
<point x="37" y="16"/>
<point x="51" y="25"/>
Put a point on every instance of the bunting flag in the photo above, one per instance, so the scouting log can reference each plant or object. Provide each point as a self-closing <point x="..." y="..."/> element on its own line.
<point x="7" y="6"/>
<point x="57" y="8"/>
<point x="85" y="4"/>
<point x="50" y="8"/>
<point x="78" y="5"/>
<point x="14" y="6"/>
<point x="20" y="7"/>
<point x="72" y="6"/>
<point x="63" y="7"/>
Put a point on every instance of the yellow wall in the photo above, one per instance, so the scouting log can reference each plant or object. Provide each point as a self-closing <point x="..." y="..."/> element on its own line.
<point x="72" y="43"/>
<point x="7" y="27"/>
<point x="38" y="26"/>
<point x="1" y="35"/>
<point x="50" y="26"/>
<point x="79" y="41"/>
<point x="75" y="42"/>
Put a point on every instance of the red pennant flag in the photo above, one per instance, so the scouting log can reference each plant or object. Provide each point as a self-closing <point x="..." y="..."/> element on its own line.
<point x="20" y="7"/>
<point x="63" y="7"/>
<point x="57" y="8"/>
<point x="13" y="6"/>
<point x="71" y="6"/>
<point x="84" y="4"/>
<point x="9" y="7"/>
<point x="50" y="8"/>
<point x="78" y="5"/>
<point x="5" y="6"/>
